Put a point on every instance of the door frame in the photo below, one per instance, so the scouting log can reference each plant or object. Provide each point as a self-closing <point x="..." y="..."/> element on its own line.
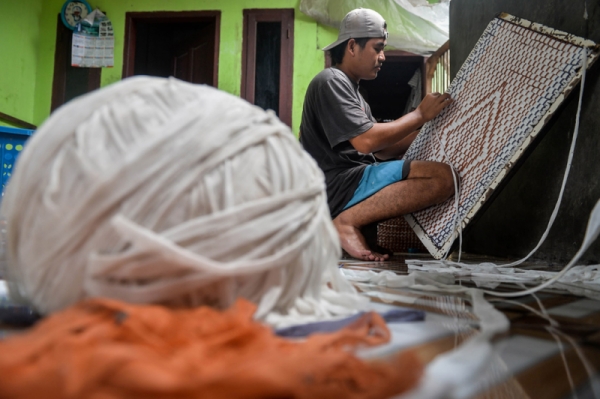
<point x="163" y="17"/>
<point x="62" y="62"/>
<point x="286" y="59"/>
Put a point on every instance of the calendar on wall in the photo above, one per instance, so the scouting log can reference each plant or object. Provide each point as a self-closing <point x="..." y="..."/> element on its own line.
<point x="93" y="42"/>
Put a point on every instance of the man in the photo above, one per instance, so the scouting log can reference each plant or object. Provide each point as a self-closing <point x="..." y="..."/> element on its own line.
<point x="339" y="131"/>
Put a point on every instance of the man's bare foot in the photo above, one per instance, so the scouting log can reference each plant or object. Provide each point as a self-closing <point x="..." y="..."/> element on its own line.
<point x="354" y="243"/>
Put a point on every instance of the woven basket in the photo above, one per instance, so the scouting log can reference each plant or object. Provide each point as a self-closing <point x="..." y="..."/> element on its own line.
<point x="396" y="235"/>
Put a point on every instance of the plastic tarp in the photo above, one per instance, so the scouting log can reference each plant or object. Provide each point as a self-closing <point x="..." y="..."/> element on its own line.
<point x="413" y="25"/>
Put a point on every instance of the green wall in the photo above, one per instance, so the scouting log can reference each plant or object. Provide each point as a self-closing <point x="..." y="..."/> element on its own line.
<point x="19" y="35"/>
<point x="28" y="36"/>
<point x="309" y="37"/>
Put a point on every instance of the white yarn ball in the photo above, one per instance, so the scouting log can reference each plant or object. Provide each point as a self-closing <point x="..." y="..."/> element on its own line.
<point x="155" y="190"/>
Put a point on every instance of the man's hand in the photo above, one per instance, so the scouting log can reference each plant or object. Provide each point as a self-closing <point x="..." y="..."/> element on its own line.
<point x="432" y="105"/>
<point x="384" y="135"/>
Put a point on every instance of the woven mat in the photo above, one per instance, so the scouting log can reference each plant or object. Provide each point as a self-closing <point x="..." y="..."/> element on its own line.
<point x="515" y="78"/>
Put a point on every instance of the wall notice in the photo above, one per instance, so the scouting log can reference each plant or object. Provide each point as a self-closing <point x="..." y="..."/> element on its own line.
<point x="93" y="42"/>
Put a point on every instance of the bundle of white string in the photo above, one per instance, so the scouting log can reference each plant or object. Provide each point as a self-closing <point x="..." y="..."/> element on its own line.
<point x="155" y="190"/>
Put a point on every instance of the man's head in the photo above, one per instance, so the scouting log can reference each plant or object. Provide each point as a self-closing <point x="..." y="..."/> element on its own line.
<point x="362" y="37"/>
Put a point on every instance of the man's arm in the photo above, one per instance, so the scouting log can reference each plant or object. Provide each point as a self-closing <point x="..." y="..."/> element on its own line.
<point x="385" y="135"/>
<point x="397" y="150"/>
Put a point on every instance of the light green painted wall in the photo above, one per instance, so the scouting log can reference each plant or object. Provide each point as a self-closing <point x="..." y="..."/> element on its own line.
<point x="28" y="36"/>
<point x="309" y="37"/>
<point x="19" y="35"/>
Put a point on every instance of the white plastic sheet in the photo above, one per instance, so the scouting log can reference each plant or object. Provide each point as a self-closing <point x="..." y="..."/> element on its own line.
<point x="413" y="25"/>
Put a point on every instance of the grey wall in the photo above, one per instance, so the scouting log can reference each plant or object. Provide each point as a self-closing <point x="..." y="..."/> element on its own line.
<point x="513" y="221"/>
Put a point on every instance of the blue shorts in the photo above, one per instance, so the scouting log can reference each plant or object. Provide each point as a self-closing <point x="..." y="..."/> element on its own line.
<point x="377" y="176"/>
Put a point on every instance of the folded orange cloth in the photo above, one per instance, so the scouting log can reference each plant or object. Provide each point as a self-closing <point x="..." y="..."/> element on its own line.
<point x="104" y="349"/>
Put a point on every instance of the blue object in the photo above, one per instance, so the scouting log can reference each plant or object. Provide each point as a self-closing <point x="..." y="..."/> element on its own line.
<point x="13" y="314"/>
<point x="401" y="315"/>
<point x="375" y="177"/>
<point x="12" y="141"/>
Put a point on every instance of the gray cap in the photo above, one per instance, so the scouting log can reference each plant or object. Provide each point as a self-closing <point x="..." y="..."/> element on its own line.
<point x="358" y="23"/>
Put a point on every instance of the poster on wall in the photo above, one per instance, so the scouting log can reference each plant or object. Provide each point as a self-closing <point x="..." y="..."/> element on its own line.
<point x="93" y="42"/>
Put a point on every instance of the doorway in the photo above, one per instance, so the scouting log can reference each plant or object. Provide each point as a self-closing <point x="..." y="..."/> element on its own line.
<point x="267" y="60"/>
<point x="184" y="45"/>
<point x="390" y="93"/>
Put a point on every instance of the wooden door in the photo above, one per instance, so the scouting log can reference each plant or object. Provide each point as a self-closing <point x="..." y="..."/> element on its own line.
<point x="69" y="82"/>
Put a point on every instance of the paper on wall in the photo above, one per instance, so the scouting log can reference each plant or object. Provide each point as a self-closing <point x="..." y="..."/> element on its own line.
<point x="93" y="42"/>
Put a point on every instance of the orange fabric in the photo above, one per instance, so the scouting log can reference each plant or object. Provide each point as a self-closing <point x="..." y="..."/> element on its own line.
<point x="104" y="349"/>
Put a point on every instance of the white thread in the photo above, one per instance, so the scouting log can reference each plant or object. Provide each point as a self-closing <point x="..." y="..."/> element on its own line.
<point x="564" y="360"/>
<point x="555" y="333"/>
<point x="449" y="375"/>
<point x="156" y="190"/>
<point x="584" y="55"/>
<point x="457" y="225"/>
<point x="595" y="386"/>
<point x="552" y="331"/>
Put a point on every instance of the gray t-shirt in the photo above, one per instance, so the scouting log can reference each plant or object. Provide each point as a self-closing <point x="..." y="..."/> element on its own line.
<point x="334" y="112"/>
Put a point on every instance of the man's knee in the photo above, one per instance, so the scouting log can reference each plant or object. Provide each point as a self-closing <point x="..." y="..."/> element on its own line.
<point x="446" y="181"/>
<point x="438" y="173"/>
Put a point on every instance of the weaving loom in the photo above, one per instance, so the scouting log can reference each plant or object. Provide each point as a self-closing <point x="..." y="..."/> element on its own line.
<point x="514" y="79"/>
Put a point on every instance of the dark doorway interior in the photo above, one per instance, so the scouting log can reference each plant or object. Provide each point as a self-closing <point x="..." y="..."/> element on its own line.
<point x="388" y="93"/>
<point x="179" y="44"/>
<point x="266" y="79"/>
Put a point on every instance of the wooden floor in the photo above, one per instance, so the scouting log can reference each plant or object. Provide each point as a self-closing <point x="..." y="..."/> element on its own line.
<point x="530" y="361"/>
